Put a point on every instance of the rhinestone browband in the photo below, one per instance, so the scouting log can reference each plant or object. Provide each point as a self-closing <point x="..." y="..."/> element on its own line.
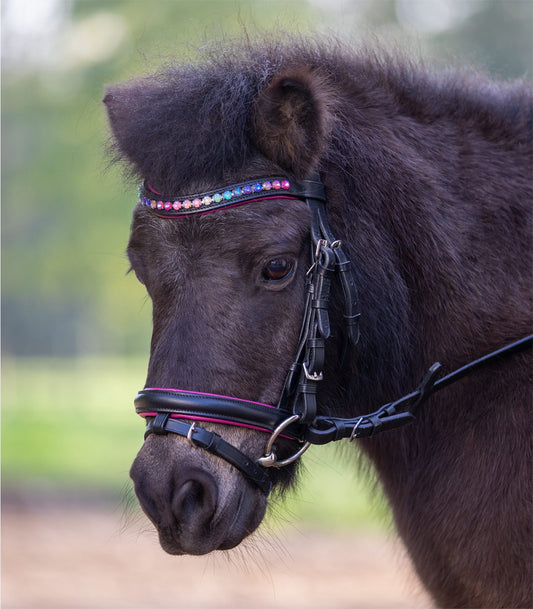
<point x="235" y="194"/>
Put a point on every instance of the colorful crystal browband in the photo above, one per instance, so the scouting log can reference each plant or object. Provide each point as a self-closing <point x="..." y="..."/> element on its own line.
<point x="236" y="194"/>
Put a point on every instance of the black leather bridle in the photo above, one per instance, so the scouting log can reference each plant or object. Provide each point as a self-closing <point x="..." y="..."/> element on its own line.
<point x="295" y="416"/>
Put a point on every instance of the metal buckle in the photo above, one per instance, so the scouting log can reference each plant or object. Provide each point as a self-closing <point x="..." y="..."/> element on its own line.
<point x="189" y="435"/>
<point x="315" y="376"/>
<point x="319" y="245"/>
<point x="353" y="435"/>
<point x="270" y="459"/>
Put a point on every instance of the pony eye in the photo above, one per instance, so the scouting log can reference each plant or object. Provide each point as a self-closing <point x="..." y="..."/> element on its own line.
<point x="276" y="269"/>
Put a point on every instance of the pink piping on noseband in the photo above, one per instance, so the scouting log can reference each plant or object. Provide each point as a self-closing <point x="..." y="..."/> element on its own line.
<point x="210" y="419"/>
<point x="207" y="420"/>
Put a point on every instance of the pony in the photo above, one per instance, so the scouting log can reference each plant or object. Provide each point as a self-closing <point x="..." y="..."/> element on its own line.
<point x="427" y="175"/>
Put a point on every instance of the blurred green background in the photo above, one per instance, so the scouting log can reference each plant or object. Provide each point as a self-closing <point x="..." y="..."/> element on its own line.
<point x="75" y="326"/>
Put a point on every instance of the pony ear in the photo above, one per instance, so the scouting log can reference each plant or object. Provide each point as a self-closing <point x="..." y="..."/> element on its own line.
<point x="139" y="114"/>
<point x="122" y="103"/>
<point x="290" y="121"/>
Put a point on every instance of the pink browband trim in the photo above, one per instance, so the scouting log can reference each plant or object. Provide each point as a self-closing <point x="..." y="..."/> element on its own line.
<point x="211" y="395"/>
<point x="152" y="189"/>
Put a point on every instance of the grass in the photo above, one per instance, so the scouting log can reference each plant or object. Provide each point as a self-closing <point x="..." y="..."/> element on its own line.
<point x="69" y="422"/>
<point x="71" y="425"/>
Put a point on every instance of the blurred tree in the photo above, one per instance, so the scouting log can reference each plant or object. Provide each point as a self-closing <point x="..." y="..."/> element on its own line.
<point x="497" y="36"/>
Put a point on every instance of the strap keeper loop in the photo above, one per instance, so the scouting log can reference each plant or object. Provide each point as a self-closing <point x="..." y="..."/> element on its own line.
<point x="426" y="387"/>
<point x="158" y="426"/>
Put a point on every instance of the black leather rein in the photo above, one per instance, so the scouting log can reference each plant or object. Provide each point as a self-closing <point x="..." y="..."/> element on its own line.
<point x="295" y="416"/>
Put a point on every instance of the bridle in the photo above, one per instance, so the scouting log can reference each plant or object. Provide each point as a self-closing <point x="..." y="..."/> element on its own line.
<point x="169" y="410"/>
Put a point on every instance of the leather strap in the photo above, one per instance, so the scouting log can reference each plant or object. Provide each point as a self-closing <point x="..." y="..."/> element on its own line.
<point x="295" y="190"/>
<point x="401" y="412"/>
<point x="324" y="429"/>
<point x="203" y="406"/>
<point x="328" y="260"/>
<point x="320" y="229"/>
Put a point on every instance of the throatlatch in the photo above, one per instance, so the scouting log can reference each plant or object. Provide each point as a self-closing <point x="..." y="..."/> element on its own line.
<point x="296" y="414"/>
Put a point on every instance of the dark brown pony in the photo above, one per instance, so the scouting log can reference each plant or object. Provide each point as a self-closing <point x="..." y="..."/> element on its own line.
<point x="429" y="184"/>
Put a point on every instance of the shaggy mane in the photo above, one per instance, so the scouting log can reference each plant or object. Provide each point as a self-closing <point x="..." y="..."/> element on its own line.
<point x="193" y="118"/>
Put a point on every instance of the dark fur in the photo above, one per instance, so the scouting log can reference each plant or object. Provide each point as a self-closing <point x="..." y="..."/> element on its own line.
<point x="429" y="186"/>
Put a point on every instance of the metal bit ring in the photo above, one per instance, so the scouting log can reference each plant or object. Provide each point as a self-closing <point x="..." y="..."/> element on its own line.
<point x="270" y="459"/>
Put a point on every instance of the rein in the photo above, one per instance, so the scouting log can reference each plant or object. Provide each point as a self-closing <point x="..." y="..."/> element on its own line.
<point x="295" y="415"/>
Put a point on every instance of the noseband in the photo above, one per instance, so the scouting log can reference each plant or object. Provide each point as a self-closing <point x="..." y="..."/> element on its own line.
<point x="295" y="416"/>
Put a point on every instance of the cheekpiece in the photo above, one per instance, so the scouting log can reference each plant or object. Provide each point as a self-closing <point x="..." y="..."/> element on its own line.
<point x="236" y="194"/>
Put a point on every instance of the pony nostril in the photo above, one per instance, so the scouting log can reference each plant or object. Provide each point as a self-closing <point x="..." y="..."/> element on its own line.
<point x="189" y="499"/>
<point x="194" y="502"/>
